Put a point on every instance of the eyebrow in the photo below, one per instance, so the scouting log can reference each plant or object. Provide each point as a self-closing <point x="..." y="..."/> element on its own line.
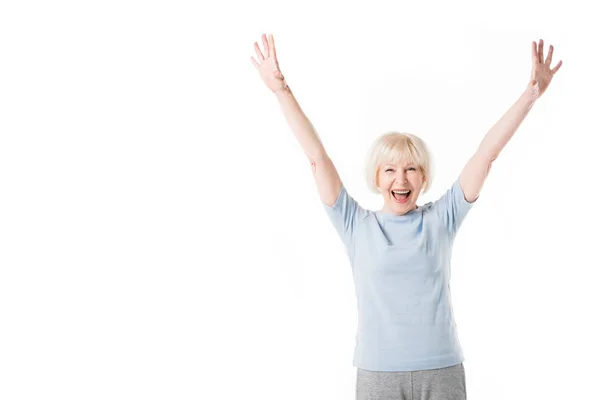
<point x="393" y="165"/>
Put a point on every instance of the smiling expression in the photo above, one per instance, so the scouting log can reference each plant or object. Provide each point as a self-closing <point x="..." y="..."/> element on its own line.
<point x="400" y="176"/>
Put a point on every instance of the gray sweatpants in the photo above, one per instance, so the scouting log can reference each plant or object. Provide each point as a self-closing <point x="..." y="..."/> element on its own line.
<point x="431" y="384"/>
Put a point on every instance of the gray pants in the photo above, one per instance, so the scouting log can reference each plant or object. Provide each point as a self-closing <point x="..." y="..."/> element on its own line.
<point x="431" y="384"/>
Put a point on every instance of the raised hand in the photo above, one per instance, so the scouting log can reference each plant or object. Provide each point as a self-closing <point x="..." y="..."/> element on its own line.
<point x="268" y="67"/>
<point x="540" y="69"/>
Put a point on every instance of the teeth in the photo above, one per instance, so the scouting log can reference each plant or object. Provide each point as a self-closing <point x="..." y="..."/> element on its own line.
<point x="403" y="192"/>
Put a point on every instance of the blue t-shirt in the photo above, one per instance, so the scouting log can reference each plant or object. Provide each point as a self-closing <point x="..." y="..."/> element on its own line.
<point x="401" y="272"/>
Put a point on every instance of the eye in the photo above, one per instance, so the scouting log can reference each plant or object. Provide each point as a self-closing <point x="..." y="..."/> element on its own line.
<point x="412" y="169"/>
<point x="389" y="169"/>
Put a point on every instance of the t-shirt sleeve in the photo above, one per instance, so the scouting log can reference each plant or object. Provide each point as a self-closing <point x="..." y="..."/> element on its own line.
<point x="345" y="215"/>
<point x="453" y="207"/>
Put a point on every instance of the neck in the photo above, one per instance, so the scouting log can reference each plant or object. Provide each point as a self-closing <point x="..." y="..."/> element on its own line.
<point x="388" y="211"/>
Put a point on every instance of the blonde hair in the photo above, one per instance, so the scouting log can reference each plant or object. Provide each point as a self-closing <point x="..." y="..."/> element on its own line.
<point x="395" y="147"/>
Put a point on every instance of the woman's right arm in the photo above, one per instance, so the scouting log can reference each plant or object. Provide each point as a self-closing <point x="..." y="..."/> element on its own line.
<point x="343" y="211"/>
<point x="326" y="176"/>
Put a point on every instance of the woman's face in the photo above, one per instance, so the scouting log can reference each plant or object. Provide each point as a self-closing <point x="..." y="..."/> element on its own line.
<point x="401" y="177"/>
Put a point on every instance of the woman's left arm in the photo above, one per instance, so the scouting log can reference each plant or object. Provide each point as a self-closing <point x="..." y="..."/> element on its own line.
<point x="477" y="168"/>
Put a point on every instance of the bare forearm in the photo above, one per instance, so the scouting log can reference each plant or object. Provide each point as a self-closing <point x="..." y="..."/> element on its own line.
<point x="499" y="135"/>
<point x="300" y="124"/>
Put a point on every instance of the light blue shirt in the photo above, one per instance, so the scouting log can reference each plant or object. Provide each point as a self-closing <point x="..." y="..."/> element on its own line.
<point x="401" y="271"/>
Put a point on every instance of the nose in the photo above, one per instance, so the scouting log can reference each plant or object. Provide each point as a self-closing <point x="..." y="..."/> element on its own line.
<point x="401" y="177"/>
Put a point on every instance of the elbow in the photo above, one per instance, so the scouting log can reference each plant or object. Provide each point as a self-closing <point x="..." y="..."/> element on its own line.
<point x="487" y="157"/>
<point x="317" y="158"/>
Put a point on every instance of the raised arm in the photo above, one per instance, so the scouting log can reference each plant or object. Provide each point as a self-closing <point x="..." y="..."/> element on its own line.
<point x="326" y="176"/>
<point x="477" y="168"/>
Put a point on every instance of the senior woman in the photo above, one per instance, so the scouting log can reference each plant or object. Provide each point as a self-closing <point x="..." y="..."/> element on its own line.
<point x="407" y="345"/>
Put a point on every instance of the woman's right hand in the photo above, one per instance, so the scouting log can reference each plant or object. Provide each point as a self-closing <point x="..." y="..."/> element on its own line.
<point x="269" y="67"/>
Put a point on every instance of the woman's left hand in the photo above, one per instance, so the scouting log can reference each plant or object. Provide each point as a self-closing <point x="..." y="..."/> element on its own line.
<point x="541" y="74"/>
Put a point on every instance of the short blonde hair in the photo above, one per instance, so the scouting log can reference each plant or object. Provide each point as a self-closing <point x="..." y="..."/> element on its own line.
<point x="395" y="147"/>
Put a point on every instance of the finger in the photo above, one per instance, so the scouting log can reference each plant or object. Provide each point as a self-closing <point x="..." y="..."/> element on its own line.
<point x="265" y="44"/>
<point x="541" y="51"/>
<point x="257" y="65"/>
<point x="549" y="57"/>
<point x="258" y="53"/>
<point x="272" y="42"/>
<point x="534" y="56"/>
<point x="555" y="69"/>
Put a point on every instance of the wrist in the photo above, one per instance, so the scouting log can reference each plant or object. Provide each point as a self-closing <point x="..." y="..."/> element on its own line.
<point x="283" y="91"/>
<point x="533" y="90"/>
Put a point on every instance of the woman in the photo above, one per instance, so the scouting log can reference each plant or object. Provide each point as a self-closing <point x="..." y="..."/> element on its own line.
<point x="406" y="345"/>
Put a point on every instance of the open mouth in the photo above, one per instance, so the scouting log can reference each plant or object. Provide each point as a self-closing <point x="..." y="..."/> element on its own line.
<point x="402" y="196"/>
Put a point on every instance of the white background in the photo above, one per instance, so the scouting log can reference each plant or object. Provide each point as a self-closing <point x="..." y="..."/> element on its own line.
<point x="161" y="235"/>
